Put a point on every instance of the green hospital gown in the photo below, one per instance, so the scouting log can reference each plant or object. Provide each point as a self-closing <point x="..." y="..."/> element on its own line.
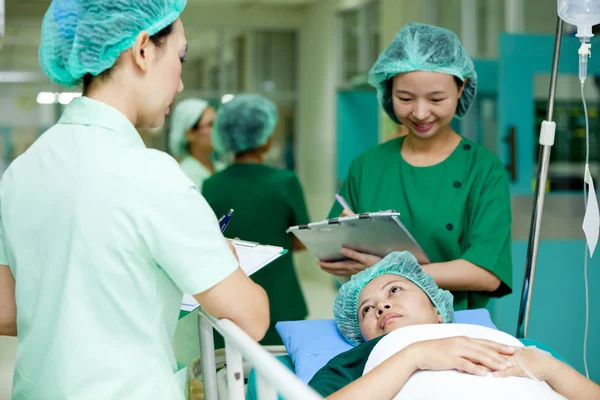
<point x="343" y="369"/>
<point x="266" y="201"/>
<point x="457" y="209"/>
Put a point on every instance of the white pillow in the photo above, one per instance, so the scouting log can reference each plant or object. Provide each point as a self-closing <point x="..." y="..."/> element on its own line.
<point x="450" y="385"/>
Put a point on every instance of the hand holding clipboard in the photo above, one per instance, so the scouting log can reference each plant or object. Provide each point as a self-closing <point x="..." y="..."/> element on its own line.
<point x="356" y="261"/>
<point x="353" y="242"/>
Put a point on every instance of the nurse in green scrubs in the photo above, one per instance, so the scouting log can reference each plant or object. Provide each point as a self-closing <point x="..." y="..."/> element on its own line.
<point x="266" y="200"/>
<point x="190" y="139"/>
<point x="451" y="193"/>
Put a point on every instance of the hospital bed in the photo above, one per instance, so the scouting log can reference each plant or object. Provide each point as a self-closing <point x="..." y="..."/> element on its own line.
<point x="243" y="353"/>
<point x="273" y="372"/>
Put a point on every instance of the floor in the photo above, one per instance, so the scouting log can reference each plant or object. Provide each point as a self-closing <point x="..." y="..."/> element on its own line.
<point x="318" y="288"/>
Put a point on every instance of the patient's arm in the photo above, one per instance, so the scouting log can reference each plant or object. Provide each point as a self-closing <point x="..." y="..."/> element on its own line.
<point x="473" y="356"/>
<point x="383" y="382"/>
<point x="462" y="275"/>
<point x="562" y="378"/>
<point x="570" y="383"/>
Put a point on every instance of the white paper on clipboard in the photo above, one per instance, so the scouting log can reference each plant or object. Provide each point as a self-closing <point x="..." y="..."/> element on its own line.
<point x="378" y="233"/>
<point x="253" y="257"/>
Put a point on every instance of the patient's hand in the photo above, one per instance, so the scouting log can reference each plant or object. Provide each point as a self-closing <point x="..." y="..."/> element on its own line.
<point x="356" y="263"/>
<point x="539" y="365"/>
<point x="472" y="356"/>
<point x="529" y="362"/>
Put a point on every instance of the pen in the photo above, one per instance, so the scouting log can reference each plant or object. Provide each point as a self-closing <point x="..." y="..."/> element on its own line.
<point x="224" y="221"/>
<point x="342" y="202"/>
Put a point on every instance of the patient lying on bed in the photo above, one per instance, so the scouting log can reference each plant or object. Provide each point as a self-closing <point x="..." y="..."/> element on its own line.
<point x="407" y="347"/>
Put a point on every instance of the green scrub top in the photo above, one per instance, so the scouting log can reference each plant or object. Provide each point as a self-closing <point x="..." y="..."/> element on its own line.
<point x="457" y="209"/>
<point x="103" y="237"/>
<point x="266" y="201"/>
<point x="348" y="366"/>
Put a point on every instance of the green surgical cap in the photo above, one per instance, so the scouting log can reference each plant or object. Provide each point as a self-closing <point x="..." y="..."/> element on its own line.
<point x="421" y="47"/>
<point x="82" y="37"/>
<point x="185" y="115"/>
<point x="404" y="264"/>
<point x="244" y="123"/>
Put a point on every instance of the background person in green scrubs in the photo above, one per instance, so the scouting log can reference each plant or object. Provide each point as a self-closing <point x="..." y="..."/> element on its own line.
<point x="100" y="236"/>
<point x="266" y="200"/>
<point x="190" y="139"/>
<point x="451" y="193"/>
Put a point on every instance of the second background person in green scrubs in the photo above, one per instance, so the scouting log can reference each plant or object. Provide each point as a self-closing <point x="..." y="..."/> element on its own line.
<point x="266" y="201"/>
<point x="190" y="139"/>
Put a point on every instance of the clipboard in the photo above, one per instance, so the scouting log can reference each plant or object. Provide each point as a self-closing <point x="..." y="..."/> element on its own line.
<point x="253" y="257"/>
<point x="378" y="233"/>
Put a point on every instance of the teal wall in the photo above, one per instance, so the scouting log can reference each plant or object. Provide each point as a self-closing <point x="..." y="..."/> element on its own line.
<point x="357" y="127"/>
<point x="557" y="316"/>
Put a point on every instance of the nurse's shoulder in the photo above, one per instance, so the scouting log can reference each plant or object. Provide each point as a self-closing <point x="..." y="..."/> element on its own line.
<point x="377" y="157"/>
<point x="157" y="169"/>
<point x="481" y="161"/>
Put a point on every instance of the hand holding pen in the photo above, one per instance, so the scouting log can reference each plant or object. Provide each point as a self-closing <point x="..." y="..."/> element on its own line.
<point x="347" y="211"/>
<point x="224" y="220"/>
<point x="356" y="261"/>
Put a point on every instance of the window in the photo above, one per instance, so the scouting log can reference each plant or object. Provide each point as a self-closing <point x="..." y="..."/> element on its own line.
<point x="358" y="41"/>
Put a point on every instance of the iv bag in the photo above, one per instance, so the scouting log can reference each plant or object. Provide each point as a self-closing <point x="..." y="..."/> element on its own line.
<point x="581" y="13"/>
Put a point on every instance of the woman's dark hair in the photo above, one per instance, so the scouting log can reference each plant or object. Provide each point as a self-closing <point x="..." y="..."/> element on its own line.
<point x="158" y="39"/>
<point x="246" y="152"/>
<point x="197" y="124"/>
<point x="390" y="83"/>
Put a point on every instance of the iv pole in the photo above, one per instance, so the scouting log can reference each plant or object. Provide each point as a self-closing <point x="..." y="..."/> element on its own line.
<point x="540" y="192"/>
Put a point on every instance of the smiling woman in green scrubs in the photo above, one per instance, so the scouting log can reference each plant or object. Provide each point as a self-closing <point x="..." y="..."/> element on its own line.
<point x="100" y="236"/>
<point x="451" y="193"/>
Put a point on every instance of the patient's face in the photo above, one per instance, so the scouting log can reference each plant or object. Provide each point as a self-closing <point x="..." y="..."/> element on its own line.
<point x="390" y="302"/>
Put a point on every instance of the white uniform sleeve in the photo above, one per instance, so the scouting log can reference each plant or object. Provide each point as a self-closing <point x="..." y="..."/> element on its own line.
<point x="180" y="229"/>
<point x="3" y="255"/>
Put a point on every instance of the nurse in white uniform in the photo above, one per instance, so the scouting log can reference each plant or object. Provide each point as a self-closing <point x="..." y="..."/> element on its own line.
<point x="100" y="236"/>
<point x="190" y="139"/>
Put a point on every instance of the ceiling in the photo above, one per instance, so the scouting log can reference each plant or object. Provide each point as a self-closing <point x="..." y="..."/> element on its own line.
<point x="18" y="51"/>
